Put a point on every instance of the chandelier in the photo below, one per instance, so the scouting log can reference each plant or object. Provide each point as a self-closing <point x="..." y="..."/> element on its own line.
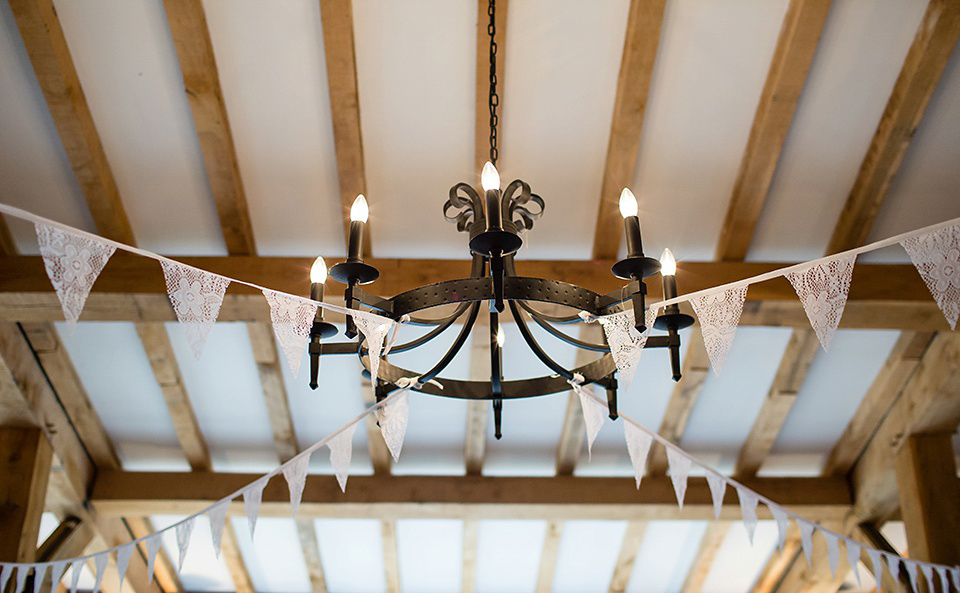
<point x="495" y="223"/>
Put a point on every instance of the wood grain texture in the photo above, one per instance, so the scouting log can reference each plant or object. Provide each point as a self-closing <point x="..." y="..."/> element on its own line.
<point x="188" y="25"/>
<point x="311" y="555"/>
<point x="926" y="475"/>
<point x="633" y="88"/>
<point x="627" y="557"/>
<point x="275" y="394"/>
<point x="233" y="559"/>
<point x="799" y="37"/>
<point x="548" y="557"/>
<point x="925" y="62"/>
<point x="25" y="461"/>
<point x="710" y="544"/>
<point x="391" y="563"/>
<point x="470" y="540"/>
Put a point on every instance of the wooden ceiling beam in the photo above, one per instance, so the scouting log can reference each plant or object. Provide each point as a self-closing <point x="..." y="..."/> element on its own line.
<point x="640" y="45"/>
<point x="548" y="557"/>
<point x="336" y="18"/>
<point x="233" y="559"/>
<point x="48" y="52"/>
<point x="816" y="577"/>
<point x="779" y="562"/>
<point x="471" y="540"/>
<point x="710" y="544"/>
<point x="796" y="46"/>
<point x="25" y="461"/>
<point x="188" y="26"/>
<point x="275" y="394"/>
<point x="478" y="412"/>
<point x="391" y="561"/>
<point x="311" y="555"/>
<point x="925" y="62"/>
<point x="627" y="557"/>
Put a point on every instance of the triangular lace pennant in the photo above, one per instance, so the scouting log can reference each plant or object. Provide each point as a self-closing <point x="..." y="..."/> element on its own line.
<point x="638" y="446"/>
<point x="876" y="565"/>
<point x="936" y="256"/>
<point x="196" y="296"/>
<point x="56" y="573"/>
<point x="252" y="496"/>
<point x="718" y="487"/>
<point x="927" y="570"/>
<point x="783" y="522"/>
<point x="374" y="329"/>
<point x="593" y="415"/>
<point x="806" y="538"/>
<point x="123" y="560"/>
<point x="719" y="314"/>
<point x="944" y="579"/>
<point x="183" y="539"/>
<point x="833" y="550"/>
<point x="912" y="567"/>
<point x="295" y="473"/>
<point x="40" y="570"/>
<point x="22" y="571"/>
<point x="292" y="320"/>
<point x="955" y="577"/>
<point x="853" y="558"/>
<point x="218" y="516"/>
<point x="748" y="511"/>
<point x="100" y="563"/>
<point x="679" y="470"/>
<point x="823" y="290"/>
<point x="626" y="343"/>
<point x="75" y="575"/>
<point x="153" y="546"/>
<point x="341" y="451"/>
<point x="73" y="263"/>
<point x="393" y="419"/>
<point x="5" y="575"/>
<point x="893" y="565"/>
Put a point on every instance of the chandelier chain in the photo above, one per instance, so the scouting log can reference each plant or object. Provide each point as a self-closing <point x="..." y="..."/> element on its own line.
<point x="493" y="99"/>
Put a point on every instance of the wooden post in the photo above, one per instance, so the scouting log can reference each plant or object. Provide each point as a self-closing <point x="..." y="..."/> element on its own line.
<point x="25" y="458"/>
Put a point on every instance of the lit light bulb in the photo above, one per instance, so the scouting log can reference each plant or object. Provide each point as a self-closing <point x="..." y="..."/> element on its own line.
<point x="628" y="203"/>
<point x="318" y="271"/>
<point x="668" y="264"/>
<point x="501" y="337"/>
<point x="489" y="177"/>
<point x="359" y="211"/>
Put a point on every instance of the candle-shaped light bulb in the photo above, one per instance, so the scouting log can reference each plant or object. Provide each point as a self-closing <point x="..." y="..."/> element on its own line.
<point x="489" y="177"/>
<point x="359" y="211"/>
<point x="628" y="203"/>
<point x="318" y="271"/>
<point x="501" y="337"/>
<point x="668" y="264"/>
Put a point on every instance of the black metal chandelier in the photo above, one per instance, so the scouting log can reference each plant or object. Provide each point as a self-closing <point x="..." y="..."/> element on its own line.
<point x="495" y="223"/>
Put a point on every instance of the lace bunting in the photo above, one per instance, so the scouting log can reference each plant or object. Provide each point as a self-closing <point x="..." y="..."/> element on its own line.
<point x="393" y="419"/>
<point x="593" y="415"/>
<point x="218" y="516"/>
<point x="123" y="560"/>
<point x="719" y="314"/>
<point x="100" y="564"/>
<point x="153" y="546"/>
<point x="936" y="256"/>
<point x="718" y="487"/>
<point x="73" y="263"/>
<point x="341" y="451"/>
<point x="196" y="297"/>
<point x="626" y="343"/>
<point x="40" y="570"/>
<point x="748" y="511"/>
<point x="292" y="320"/>
<point x="783" y="522"/>
<point x="23" y="569"/>
<point x="833" y="551"/>
<point x="75" y="575"/>
<point x="806" y="539"/>
<point x="876" y="565"/>
<point x="679" y="465"/>
<point x="638" y="446"/>
<point x="295" y="472"/>
<point x="183" y="539"/>
<point x="56" y="573"/>
<point x="252" y="497"/>
<point x="823" y="290"/>
<point x="374" y="329"/>
<point x="853" y="559"/>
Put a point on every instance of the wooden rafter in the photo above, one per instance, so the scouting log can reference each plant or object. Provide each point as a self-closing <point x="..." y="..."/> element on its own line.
<point x="311" y="555"/>
<point x="47" y="48"/>
<point x="925" y="62"/>
<point x="816" y="577"/>
<point x="478" y="412"/>
<point x="470" y="541"/>
<point x="633" y="87"/>
<point x="799" y="36"/>
<point x="188" y="25"/>
<point x="233" y="558"/>
<point x="391" y="563"/>
<point x="779" y="562"/>
<point x="926" y="474"/>
<point x="341" y="60"/>
<point x="164" y="569"/>
<point x="481" y="153"/>
<point x="627" y="557"/>
<point x="274" y="392"/>
<point x="25" y="460"/>
<point x="548" y="557"/>
<point x="710" y="544"/>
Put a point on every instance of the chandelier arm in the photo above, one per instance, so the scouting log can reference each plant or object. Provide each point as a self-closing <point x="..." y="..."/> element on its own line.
<point x="455" y="348"/>
<point x="554" y="319"/>
<point x="534" y="346"/>
<point x="564" y="337"/>
<point x="447" y="322"/>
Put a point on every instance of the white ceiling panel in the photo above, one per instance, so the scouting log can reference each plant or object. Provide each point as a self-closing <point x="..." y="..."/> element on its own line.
<point x="587" y="555"/>
<point x="274" y="80"/>
<point x="274" y="558"/>
<point x="508" y="555"/>
<point x="351" y="552"/>
<point x="430" y="554"/>
<point x="116" y="374"/>
<point x="415" y="75"/>
<point x="557" y="108"/>
<point x="711" y="65"/>
<point x="202" y="570"/>
<point x="738" y="562"/>
<point x="728" y="404"/>
<point x="225" y="391"/>
<point x="857" y="62"/>
<point x="665" y="556"/>
<point x="128" y="66"/>
<point x="34" y="167"/>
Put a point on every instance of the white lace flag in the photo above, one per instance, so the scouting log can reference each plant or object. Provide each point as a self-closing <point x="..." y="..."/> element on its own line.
<point x="393" y="419"/>
<point x="196" y="297"/>
<point x="876" y="565"/>
<point x="638" y="446"/>
<point x="40" y="570"/>
<point x="24" y="569"/>
<point x="806" y="538"/>
<point x="912" y="573"/>
<point x="944" y="579"/>
<point x="218" y="516"/>
<point x="679" y="470"/>
<point x="748" y="511"/>
<point x="626" y="343"/>
<point x="893" y="565"/>
<point x="719" y="314"/>
<point x="56" y="573"/>
<point x="75" y="575"/>
<point x="153" y="546"/>
<point x="295" y="472"/>
<point x="183" y="539"/>
<point x="100" y="563"/>
<point x="375" y="329"/>
<point x="833" y="550"/>
<point x="252" y="496"/>
<point x="341" y="451"/>
<point x="73" y="263"/>
<point x="853" y="558"/>
<point x="955" y="577"/>
<point x="783" y="522"/>
<point x="927" y="571"/>
<point x="936" y="256"/>
<point x="5" y="576"/>
<point x="718" y="487"/>
<point x="292" y="320"/>
<point x="123" y="560"/>
<point x="593" y="415"/>
<point x="823" y="290"/>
